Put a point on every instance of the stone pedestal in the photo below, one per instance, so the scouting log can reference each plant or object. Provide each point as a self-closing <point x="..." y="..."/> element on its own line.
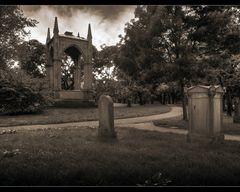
<point x="74" y="98"/>
<point x="106" y="117"/>
<point x="205" y="113"/>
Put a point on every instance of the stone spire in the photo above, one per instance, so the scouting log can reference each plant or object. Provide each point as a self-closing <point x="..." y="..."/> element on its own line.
<point x="78" y="34"/>
<point x="89" y="35"/>
<point x="55" y="29"/>
<point x="48" y="35"/>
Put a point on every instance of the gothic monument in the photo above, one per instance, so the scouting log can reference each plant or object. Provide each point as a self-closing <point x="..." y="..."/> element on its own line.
<point x="80" y="50"/>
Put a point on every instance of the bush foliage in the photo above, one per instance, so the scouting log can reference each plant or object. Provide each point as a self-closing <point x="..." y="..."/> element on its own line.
<point x="20" y="93"/>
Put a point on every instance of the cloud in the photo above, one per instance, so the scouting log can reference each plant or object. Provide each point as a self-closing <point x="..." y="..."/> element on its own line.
<point x="109" y="12"/>
<point x="107" y="21"/>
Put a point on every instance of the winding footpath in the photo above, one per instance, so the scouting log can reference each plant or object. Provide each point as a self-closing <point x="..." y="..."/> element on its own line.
<point x="142" y="123"/>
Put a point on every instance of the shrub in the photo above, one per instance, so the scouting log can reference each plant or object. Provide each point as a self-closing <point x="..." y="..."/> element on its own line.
<point x="20" y="93"/>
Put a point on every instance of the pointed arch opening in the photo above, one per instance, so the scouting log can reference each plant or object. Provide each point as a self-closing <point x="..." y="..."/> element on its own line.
<point x="72" y="68"/>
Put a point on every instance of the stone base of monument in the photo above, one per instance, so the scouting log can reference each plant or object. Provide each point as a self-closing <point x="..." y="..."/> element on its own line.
<point x="205" y="139"/>
<point x="73" y="98"/>
<point x="74" y="103"/>
<point x="236" y="119"/>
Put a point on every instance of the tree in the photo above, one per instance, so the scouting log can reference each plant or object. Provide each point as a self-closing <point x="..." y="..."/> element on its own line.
<point x="173" y="43"/>
<point x="217" y="31"/>
<point x="104" y="71"/>
<point x="32" y="58"/>
<point x="67" y="70"/>
<point x="12" y="32"/>
<point x="159" y="39"/>
<point x="104" y="62"/>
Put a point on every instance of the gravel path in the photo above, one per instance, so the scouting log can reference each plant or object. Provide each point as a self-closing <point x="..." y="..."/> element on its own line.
<point x="142" y="123"/>
<point x="175" y="111"/>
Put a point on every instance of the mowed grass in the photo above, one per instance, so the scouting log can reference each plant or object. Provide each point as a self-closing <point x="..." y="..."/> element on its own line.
<point x="64" y="115"/>
<point x="74" y="156"/>
<point x="228" y="126"/>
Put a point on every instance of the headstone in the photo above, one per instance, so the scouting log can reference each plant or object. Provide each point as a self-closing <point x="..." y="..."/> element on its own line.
<point x="205" y="113"/>
<point x="106" y="117"/>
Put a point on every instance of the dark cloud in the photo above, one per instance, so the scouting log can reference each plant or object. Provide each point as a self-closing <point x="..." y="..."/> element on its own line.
<point x="107" y="21"/>
<point x="108" y="12"/>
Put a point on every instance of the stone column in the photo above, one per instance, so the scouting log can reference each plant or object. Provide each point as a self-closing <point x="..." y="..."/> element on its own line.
<point x="48" y="66"/>
<point x="56" y="59"/>
<point x="77" y="75"/>
<point x="51" y="76"/>
<point x="49" y="70"/>
<point x="57" y="74"/>
<point x="48" y="61"/>
<point x="88" y="77"/>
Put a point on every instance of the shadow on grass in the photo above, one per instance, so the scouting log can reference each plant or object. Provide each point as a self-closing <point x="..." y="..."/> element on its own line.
<point x="75" y="157"/>
<point x="229" y="127"/>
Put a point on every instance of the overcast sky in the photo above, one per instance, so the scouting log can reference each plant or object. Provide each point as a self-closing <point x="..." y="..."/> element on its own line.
<point x="107" y="21"/>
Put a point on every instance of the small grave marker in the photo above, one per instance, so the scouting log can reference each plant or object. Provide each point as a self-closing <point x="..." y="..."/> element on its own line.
<point x="106" y="117"/>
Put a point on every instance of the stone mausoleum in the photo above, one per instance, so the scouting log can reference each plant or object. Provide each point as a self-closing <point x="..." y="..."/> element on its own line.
<point x="80" y="50"/>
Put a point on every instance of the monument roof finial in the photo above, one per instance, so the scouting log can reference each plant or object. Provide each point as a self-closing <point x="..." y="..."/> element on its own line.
<point x="78" y="34"/>
<point x="55" y="29"/>
<point x="89" y="36"/>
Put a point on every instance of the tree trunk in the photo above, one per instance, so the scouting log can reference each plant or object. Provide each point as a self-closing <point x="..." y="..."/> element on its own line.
<point x="236" y="110"/>
<point x="152" y="99"/>
<point x="229" y="103"/>
<point x="169" y="98"/>
<point x="184" y="103"/>
<point x="140" y="98"/>
<point x="135" y="100"/>
<point x="129" y="103"/>
<point x="173" y="98"/>
<point x="164" y="98"/>
<point x="223" y="103"/>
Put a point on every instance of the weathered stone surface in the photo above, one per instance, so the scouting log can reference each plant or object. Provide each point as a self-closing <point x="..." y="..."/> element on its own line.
<point x="205" y="113"/>
<point x="106" y="117"/>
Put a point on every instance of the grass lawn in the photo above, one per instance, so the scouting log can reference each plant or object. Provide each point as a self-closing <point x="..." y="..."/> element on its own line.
<point x="228" y="126"/>
<point x="71" y="156"/>
<point x="64" y="115"/>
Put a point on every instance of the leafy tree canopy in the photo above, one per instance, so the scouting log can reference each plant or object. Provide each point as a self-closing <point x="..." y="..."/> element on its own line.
<point x="12" y="32"/>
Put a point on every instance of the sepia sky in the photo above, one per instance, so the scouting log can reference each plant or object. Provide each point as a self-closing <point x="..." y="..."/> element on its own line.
<point x="107" y="21"/>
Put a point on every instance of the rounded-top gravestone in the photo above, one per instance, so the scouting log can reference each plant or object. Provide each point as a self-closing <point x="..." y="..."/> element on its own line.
<point x="106" y="117"/>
